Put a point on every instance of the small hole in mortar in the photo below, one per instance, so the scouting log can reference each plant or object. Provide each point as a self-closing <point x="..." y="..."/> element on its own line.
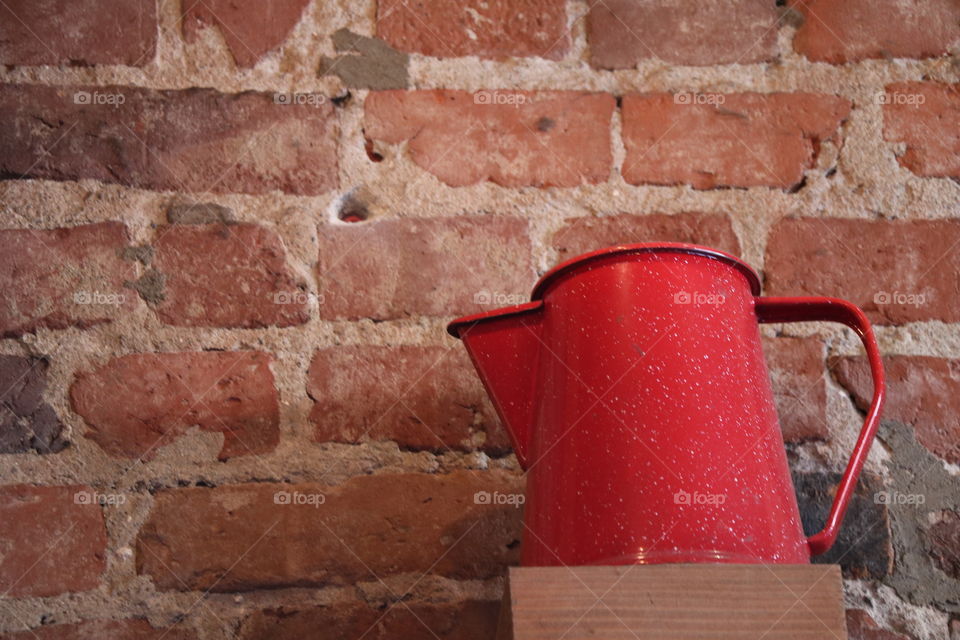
<point x="368" y="147"/>
<point x="352" y="209"/>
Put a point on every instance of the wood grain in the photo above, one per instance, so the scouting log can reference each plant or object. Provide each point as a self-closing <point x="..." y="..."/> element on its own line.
<point x="765" y="602"/>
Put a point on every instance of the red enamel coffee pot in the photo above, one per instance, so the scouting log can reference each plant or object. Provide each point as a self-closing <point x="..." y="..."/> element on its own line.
<point x="637" y="399"/>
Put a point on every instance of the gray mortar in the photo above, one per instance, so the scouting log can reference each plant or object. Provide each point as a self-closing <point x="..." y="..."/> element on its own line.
<point x="914" y="470"/>
<point x="370" y="63"/>
<point x="868" y="184"/>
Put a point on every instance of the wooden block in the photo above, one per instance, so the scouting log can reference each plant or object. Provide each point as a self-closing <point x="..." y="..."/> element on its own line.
<point x="670" y="601"/>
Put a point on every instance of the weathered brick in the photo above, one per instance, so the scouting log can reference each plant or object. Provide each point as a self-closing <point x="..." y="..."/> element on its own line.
<point x="896" y="271"/>
<point x="222" y="275"/>
<point x="797" y="373"/>
<point x="943" y="540"/>
<point x="863" y="548"/>
<point x="420" y="397"/>
<point x="622" y="33"/>
<point x="72" y="33"/>
<point x="389" y="269"/>
<point x="839" y="31"/>
<point x="727" y="140"/>
<point x="250" y="29"/>
<point x="860" y="626"/>
<point x="27" y="422"/>
<point x="52" y="541"/>
<point x="466" y="620"/>
<point x="254" y="536"/>
<point x="511" y="138"/>
<point x="195" y="140"/>
<point x="489" y="29"/>
<point x="59" y="278"/>
<point x="128" y="629"/>
<point x="925" y="118"/>
<point x="164" y="394"/>
<point x="922" y="391"/>
<point x="581" y="235"/>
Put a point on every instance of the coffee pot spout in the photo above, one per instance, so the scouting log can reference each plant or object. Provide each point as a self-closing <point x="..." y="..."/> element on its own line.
<point x="504" y="346"/>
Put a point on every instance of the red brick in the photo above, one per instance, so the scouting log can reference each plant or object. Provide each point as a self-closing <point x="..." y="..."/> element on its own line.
<point x="797" y="373"/>
<point x="860" y="626"/>
<point x="921" y="391"/>
<point x="466" y="620"/>
<point x="195" y="140"/>
<point x="581" y="235"/>
<point x="622" y="33"/>
<point x="511" y="138"/>
<point x="60" y="278"/>
<point x="245" y="537"/>
<point x="925" y="117"/>
<point x="391" y="269"/>
<point x="164" y="394"/>
<point x="129" y="629"/>
<point x="250" y="28"/>
<point x="744" y="140"/>
<point x="73" y="33"/>
<point x="943" y="540"/>
<point x="896" y="271"/>
<point x="839" y="31"/>
<point x="420" y="397"/>
<point x="227" y="276"/>
<point x="488" y="29"/>
<point x="52" y="542"/>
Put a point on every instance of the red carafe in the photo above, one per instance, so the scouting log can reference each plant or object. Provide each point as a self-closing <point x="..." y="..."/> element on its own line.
<point x="637" y="399"/>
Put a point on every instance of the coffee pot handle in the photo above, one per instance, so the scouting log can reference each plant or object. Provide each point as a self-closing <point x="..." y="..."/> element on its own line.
<point x="835" y="310"/>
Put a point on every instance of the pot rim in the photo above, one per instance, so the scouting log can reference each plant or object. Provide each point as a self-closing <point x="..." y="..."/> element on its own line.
<point x="539" y="289"/>
<point x="646" y="247"/>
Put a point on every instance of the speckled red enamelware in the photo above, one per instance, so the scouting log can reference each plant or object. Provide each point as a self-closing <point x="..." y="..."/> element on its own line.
<point x="636" y="395"/>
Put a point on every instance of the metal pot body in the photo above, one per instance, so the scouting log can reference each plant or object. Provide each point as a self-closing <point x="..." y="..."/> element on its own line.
<point x="636" y="393"/>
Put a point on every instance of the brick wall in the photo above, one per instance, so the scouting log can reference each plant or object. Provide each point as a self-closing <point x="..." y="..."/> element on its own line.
<point x="232" y="234"/>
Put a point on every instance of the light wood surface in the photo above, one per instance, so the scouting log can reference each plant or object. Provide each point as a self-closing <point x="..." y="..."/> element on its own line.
<point x="685" y="601"/>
